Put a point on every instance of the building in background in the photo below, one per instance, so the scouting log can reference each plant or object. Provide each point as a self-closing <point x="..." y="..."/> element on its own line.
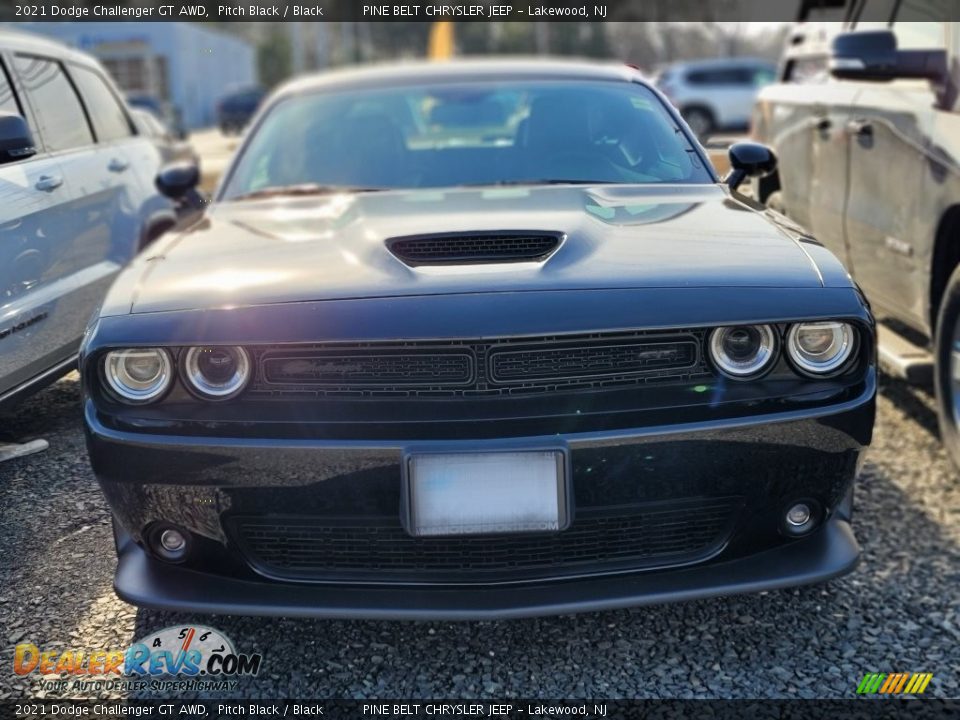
<point x="186" y="65"/>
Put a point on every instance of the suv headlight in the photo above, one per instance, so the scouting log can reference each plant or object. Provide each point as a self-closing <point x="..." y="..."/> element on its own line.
<point x="743" y="351"/>
<point x="820" y="348"/>
<point x="216" y="372"/>
<point x="138" y="375"/>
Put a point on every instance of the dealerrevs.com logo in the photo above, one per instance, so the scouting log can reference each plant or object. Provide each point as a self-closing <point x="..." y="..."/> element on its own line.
<point x="175" y="658"/>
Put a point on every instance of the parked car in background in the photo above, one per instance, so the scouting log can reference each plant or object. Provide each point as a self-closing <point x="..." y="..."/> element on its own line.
<point x="77" y="201"/>
<point x="171" y="147"/>
<point x="235" y="109"/>
<point x="415" y="364"/>
<point x="870" y="149"/>
<point x="715" y="95"/>
<point x="165" y="112"/>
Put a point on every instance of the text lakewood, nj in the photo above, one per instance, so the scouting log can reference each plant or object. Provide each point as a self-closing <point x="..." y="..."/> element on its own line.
<point x="481" y="11"/>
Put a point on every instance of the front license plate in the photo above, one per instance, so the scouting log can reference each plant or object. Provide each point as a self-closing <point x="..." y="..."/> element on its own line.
<point x="486" y="493"/>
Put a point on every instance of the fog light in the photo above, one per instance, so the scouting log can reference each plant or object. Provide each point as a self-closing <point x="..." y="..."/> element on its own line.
<point x="802" y="516"/>
<point x="172" y="541"/>
<point x="798" y="515"/>
<point x="169" y="543"/>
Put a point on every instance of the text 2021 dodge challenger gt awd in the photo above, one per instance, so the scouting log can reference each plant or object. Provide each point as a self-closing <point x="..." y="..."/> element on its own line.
<point x="477" y="340"/>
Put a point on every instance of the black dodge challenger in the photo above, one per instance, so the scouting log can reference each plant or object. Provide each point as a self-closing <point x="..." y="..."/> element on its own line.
<point x="476" y="340"/>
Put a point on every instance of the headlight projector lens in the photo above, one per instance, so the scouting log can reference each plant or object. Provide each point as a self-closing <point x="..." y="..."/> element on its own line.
<point x="138" y="375"/>
<point x="743" y="351"/>
<point x="820" y="347"/>
<point x="215" y="372"/>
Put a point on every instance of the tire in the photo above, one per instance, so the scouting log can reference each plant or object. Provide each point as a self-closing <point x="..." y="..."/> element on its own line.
<point x="946" y="375"/>
<point x="700" y="120"/>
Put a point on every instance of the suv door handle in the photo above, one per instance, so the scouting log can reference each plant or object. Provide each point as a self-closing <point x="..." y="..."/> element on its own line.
<point x="860" y="127"/>
<point x="48" y="182"/>
<point x="117" y="165"/>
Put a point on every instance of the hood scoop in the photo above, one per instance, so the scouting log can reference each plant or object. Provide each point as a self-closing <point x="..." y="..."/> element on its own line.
<point x="474" y="247"/>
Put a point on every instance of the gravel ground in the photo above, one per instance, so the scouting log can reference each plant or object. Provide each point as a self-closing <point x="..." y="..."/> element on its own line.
<point x="897" y="612"/>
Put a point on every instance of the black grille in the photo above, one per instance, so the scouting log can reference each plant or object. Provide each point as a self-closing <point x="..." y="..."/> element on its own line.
<point x="479" y="248"/>
<point x="465" y="368"/>
<point x="379" y="550"/>
<point x="536" y="363"/>
<point x="377" y="367"/>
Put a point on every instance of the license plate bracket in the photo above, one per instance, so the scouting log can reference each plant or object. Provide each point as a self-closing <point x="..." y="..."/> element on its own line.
<point x="486" y="492"/>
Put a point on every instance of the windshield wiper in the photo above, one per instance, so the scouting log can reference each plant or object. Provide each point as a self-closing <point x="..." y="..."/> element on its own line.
<point x="304" y="189"/>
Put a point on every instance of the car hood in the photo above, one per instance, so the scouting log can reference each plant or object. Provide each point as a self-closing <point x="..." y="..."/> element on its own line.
<point x="335" y="246"/>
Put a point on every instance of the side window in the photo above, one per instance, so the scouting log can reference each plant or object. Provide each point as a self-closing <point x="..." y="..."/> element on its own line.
<point x="63" y="124"/>
<point x="109" y="119"/>
<point x="8" y="103"/>
<point x="721" y="76"/>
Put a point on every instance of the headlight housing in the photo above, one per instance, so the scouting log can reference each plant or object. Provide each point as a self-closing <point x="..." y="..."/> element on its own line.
<point x="743" y="351"/>
<point x="821" y="348"/>
<point x="216" y="372"/>
<point x="138" y="375"/>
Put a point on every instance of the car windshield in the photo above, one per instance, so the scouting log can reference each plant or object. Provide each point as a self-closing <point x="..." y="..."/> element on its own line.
<point x="469" y="134"/>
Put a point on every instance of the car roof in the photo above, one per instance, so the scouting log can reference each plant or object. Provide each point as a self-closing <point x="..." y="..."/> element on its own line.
<point x="426" y="73"/>
<point x="27" y="42"/>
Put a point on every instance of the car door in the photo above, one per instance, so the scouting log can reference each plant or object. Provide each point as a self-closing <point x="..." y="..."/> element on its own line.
<point x="38" y="325"/>
<point x="889" y="157"/>
<point x="117" y="174"/>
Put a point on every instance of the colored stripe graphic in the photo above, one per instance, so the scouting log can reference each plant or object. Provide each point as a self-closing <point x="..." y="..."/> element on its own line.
<point x="894" y="683"/>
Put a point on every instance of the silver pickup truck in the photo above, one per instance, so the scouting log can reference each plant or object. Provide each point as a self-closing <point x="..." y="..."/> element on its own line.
<point x="77" y="202"/>
<point x="866" y="122"/>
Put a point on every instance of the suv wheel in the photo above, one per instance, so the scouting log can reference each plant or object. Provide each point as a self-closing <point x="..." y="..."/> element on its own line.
<point x="700" y="121"/>
<point x="947" y="372"/>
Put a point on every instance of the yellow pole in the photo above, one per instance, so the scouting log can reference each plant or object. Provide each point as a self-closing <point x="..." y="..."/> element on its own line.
<point x="441" y="41"/>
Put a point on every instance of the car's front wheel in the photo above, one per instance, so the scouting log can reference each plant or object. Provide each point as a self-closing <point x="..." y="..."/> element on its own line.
<point x="700" y="121"/>
<point x="947" y="371"/>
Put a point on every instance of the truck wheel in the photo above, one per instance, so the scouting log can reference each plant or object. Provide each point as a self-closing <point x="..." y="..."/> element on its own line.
<point x="947" y="372"/>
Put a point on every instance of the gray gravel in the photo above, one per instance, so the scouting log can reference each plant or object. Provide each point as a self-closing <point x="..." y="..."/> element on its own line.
<point x="897" y="612"/>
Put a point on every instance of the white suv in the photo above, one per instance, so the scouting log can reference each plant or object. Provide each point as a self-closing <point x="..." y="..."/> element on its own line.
<point x="77" y="201"/>
<point x="716" y="95"/>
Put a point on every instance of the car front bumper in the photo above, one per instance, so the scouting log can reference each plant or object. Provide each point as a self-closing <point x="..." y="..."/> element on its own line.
<point x="202" y="484"/>
<point x="141" y="580"/>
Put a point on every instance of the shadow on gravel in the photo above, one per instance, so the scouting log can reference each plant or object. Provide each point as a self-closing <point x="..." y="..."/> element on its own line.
<point x="894" y="612"/>
<point x="918" y="402"/>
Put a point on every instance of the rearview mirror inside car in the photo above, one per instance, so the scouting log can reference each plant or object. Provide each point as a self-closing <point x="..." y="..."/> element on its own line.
<point x="178" y="179"/>
<point x="873" y="55"/>
<point x="16" y="140"/>
<point x="749" y="159"/>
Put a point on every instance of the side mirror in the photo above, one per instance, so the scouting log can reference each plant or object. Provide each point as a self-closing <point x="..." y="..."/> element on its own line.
<point x="749" y="159"/>
<point x="179" y="179"/>
<point x="16" y="140"/>
<point x="873" y="55"/>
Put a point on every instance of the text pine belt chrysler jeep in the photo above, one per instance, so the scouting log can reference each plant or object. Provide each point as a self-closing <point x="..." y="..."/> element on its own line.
<point x="471" y="340"/>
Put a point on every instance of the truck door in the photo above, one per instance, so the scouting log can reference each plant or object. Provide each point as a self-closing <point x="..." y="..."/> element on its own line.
<point x="889" y="149"/>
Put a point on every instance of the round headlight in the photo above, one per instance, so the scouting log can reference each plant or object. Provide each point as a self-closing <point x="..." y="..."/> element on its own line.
<point x="138" y="375"/>
<point x="216" y="373"/>
<point x="820" y="347"/>
<point x="742" y="351"/>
